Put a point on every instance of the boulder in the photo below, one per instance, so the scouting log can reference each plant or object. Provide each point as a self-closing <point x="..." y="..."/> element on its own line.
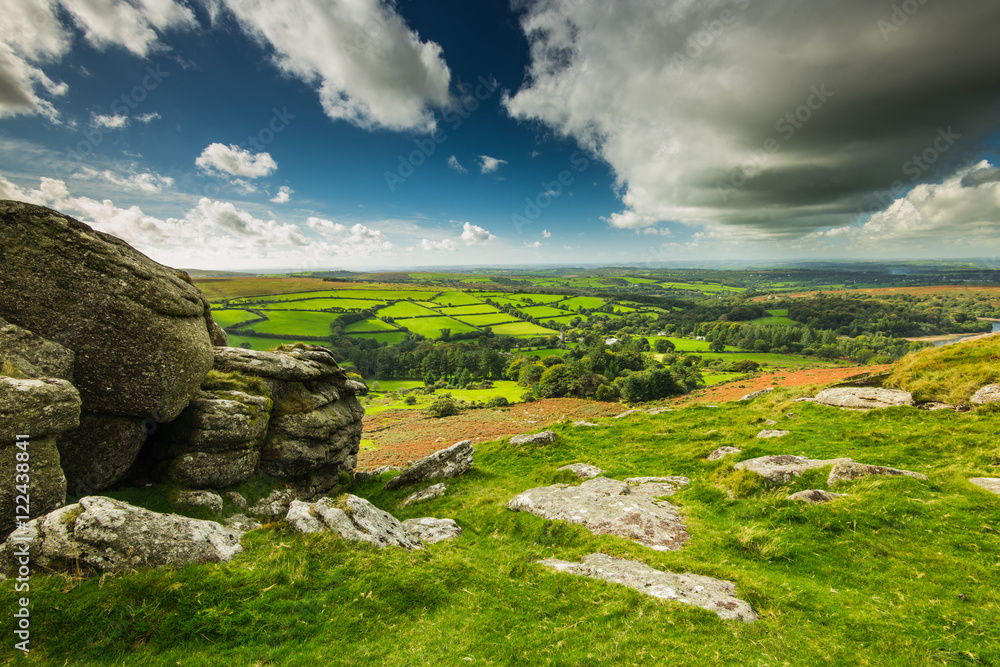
<point x="583" y="470"/>
<point x="355" y="519"/>
<point x="236" y="498"/>
<point x="863" y="398"/>
<point x="274" y="504"/>
<point x="757" y="394"/>
<point x="38" y="410"/>
<point x="242" y="523"/>
<point x="33" y="355"/>
<point x="772" y="433"/>
<point x="721" y="452"/>
<point x="988" y="394"/>
<point x="430" y="493"/>
<point x="608" y="507"/>
<point x="715" y="595"/>
<point x="366" y="475"/>
<point x="991" y="484"/>
<point x="657" y="487"/>
<point x="209" y="499"/>
<point x="140" y="331"/>
<point x="216" y="442"/>
<point x="846" y="471"/>
<point x="104" y="535"/>
<point x="101" y="451"/>
<point x="782" y="469"/>
<point x="542" y="438"/>
<point x="301" y="364"/>
<point x="446" y="463"/>
<point x="430" y="530"/>
<point x="815" y="496"/>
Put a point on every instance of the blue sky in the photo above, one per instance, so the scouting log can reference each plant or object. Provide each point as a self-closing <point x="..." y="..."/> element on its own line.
<point x="319" y="134"/>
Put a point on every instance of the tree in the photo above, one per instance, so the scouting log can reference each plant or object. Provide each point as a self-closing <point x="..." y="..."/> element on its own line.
<point x="717" y="346"/>
<point x="663" y="346"/>
<point x="444" y="406"/>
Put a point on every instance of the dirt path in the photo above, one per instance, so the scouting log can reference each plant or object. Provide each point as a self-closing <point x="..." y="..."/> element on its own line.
<point x="407" y="435"/>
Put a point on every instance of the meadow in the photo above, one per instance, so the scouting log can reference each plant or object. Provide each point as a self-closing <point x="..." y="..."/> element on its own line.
<point x="899" y="572"/>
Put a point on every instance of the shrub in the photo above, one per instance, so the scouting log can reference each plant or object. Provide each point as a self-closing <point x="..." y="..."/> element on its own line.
<point x="497" y="402"/>
<point x="410" y="399"/>
<point x="444" y="406"/>
<point x="527" y="397"/>
<point x="606" y="393"/>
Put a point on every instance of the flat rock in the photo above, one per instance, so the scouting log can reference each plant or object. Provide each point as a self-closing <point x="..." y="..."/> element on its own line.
<point x="430" y="493"/>
<point x="209" y="499"/>
<point x="772" y="433"/>
<point x="582" y="470"/>
<point x="815" y="496"/>
<point x="446" y="463"/>
<point x="583" y="422"/>
<point x="242" y="523"/>
<point x="715" y="595"/>
<point x="274" y="504"/>
<point x="846" y="471"/>
<point x="105" y="535"/>
<point x="991" y="484"/>
<point x="625" y="414"/>
<point x="722" y="452"/>
<point x="770" y="422"/>
<point x="355" y="519"/>
<point x="430" y="530"/>
<point x="657" y="487"/>
<point x="542" y="438"/>
<point x="782" y="469"/>
<point x="863" y="398"/>
<point x="757" y="394"/>
<point x="988" y="394"/>
<point x="608" y="507"/>
<point x="296" y="365"/>
<point x="364" y="476"/>
<point x="659" y="411"/>
<point x="33" y="355"/>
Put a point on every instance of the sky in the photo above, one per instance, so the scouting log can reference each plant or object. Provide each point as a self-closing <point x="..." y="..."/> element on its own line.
<point x="368" y="134"/>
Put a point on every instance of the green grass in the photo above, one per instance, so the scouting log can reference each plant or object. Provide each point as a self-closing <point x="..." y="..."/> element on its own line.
<point x="474" y="309"/>
<point x="686" y="344"/>
<point x="456" y="299"/>
<point x="774" y="321"/>
<point x="578" y="302"/>
<point x="778" y="312"/>
<point x="368" y="326"/>
<point x="431" y="326"/>
<point x="541" y="312"/>
<point x="265" y="343"/>
<point x="952" y="373"/>
<point x="296" y="323"/>
<point x="521" y="329"/>
<point x="506" y="388"/>
<point x="324" y="304"/>
<point x="405" y="309"/>
<point x="230" y="318"/>
<point x="871" y="579"/>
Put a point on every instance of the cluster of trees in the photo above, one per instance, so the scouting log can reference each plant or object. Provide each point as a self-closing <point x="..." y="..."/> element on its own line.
<point x="901" y="315"/>
<point x="876" y="348"/>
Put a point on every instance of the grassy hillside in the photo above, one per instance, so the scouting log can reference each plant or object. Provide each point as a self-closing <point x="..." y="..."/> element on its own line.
<point x="899" y="572"/>
<point x="951" y="373"/>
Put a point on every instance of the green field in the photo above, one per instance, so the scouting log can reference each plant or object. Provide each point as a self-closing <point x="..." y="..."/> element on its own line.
<point x="369" y="325"/>
<point x="510" y="390"/>
<point x="230" y="318"/>
<point x="774" y="321"/>
<point x="405" y="309"/>
<point x="487" y="320"/>
<point x="522" y="329"/>
<point x="296" y="323"/>
<point x="545" y="352"/>
<point x="687" y="344"/>
<point x="475" y="309"/>
<point x="539" y="312"/>
<point x="579" y="302"/>
<point x="430" y="327"/>
<point x="702" y="287"/>
<point x="264" y="343"/>
<point x="390" y="337"/>
<point x="455" y="299"/>
<point x="324" y="304"/>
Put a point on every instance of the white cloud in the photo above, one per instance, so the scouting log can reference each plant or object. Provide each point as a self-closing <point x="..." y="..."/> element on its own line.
<point x="148" y="118"/>
<point x="546" y="234"/>
<point x="355" y="241"/>
<point x="243" y="186"/>
<point x="226" y="217"/>
<point x="149" y="182"/>
<point x="475" y="235"/>
<point x="32" y="35"/>
<point x="488" y="164"/>
<point x="284" y="195"/>
<point x="445" y="245"/>
<point x="536" y="244"/>
<point x="964" y="210"/>
<point x="109" y="122"/>
<point x="369" y="68"/>
<point x="456" y="165"/>
<point x="235" y="161"/>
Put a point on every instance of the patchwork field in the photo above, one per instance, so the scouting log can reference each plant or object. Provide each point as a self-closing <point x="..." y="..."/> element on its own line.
<point x="405" y="309"/>
<point x="431" y="326"/>
<point x="369" y="325"/>
<point x="526" y="329"/>
<point x="296" y="323"/>
<point x="229" y="318"/>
